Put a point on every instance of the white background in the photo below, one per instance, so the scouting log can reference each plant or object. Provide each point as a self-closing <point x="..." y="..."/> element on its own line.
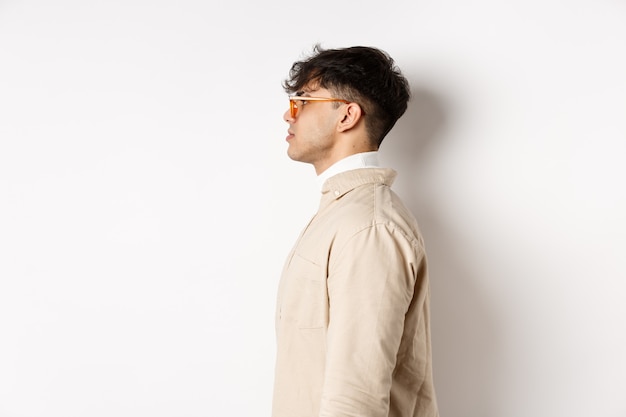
<point x="147" y="202"/>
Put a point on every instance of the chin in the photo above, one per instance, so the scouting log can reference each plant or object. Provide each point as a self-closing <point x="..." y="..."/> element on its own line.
<point x="293" y="155"/>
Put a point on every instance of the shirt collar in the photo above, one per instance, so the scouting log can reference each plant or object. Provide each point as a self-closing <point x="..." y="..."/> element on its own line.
<point x="356" y="161"/>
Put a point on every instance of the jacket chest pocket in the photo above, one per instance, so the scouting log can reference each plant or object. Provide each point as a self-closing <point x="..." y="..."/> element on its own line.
<point x="305" y="300"/>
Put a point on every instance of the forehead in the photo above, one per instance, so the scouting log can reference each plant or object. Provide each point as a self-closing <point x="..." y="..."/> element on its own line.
<point x="312" y="88"/>
<point x="311" y="85"/>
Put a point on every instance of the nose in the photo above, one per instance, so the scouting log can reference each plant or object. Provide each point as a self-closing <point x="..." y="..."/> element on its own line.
<point x="287" y="116"/>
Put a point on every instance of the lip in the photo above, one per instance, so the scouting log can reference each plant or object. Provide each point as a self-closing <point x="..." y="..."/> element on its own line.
<point x="290" y="135"/>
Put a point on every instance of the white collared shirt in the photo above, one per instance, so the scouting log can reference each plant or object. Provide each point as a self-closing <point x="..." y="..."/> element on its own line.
<point x="356" y="161"/>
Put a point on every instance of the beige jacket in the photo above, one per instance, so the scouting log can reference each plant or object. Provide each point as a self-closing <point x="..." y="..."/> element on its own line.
<point x="352" y="318"/>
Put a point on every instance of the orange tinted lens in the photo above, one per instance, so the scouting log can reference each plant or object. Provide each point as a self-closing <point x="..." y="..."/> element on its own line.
<point x="293" y="109"/>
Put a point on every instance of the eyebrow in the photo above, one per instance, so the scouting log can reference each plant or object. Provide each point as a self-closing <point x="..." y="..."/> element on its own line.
<point x="304" y="93"/>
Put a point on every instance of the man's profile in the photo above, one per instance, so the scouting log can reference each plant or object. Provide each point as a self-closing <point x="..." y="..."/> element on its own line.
<point x="352" y="317"/>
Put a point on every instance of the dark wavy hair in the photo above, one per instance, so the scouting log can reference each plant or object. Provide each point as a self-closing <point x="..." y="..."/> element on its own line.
<point x="364" y="75"/>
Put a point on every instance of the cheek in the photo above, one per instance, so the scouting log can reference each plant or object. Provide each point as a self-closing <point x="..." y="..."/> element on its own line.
<point x="323" y="127"/>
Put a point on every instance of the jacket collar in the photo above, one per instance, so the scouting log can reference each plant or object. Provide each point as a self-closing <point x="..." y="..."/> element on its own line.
<point x="338" y="185"/>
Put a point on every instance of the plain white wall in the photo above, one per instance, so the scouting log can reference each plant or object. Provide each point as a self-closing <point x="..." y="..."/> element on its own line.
<point x="147" y="203"/>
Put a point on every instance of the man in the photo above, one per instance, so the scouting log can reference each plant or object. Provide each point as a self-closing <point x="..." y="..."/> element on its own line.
<point x="352" y="319"/>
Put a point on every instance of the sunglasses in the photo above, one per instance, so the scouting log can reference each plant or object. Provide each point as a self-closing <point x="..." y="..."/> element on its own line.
<point x="297" y="102"/>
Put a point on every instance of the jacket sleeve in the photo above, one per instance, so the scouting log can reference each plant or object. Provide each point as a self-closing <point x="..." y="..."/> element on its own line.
<point x="371" y="281"/>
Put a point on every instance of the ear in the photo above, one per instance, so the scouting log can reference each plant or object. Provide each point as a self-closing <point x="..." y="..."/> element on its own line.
<point x="352" y="114"/>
